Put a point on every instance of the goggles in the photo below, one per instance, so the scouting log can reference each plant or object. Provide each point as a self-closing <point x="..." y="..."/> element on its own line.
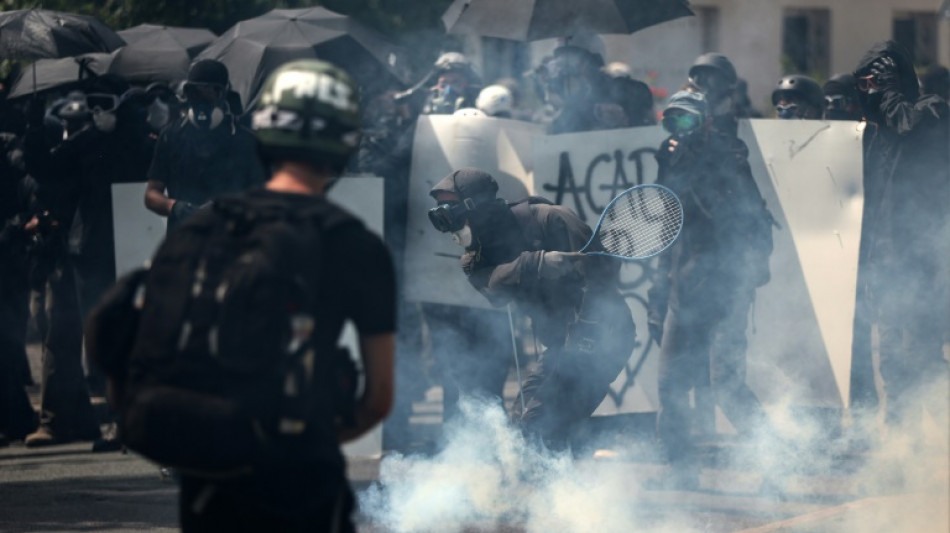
<point x="682" y="123"/>
<point x="451" y="217"/>
<point x="837" y="102"/>
<point x="203" y="93"/>
<point x="104" y="102"/>
<point x="867" y="83"/>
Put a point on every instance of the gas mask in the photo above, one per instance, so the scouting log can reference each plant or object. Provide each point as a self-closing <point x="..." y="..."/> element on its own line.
<point x="789" y="111"/>
<point x="205" y="116"/>
<point x="682" y="125"/>
<point x="158" y="114"/>
<point x="104" y="120"/>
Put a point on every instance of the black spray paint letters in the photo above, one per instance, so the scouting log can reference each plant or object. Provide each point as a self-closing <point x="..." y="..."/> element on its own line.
<point x="583" y="194"/>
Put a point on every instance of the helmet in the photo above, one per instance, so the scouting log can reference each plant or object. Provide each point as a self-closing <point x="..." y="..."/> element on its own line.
<point x="473" y="187"/>
<point x="618" y="69"/>
<point x="804" y="87"/>
<point x="716" y="62"/>
<point x="452" y="61"/>
<point x="308" y="110"/>
<point x="495" y="100"/>
<point x="840" y="84"/>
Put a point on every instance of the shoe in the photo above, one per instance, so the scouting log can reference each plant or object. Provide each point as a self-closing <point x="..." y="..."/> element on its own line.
<point x="43" y="436"/>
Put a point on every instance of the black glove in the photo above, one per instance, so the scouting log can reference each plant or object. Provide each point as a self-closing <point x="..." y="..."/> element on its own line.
<point x="182" y="210"/>
<point x="470" y="261"/>
<point x="885" y="74"/>
<point x="656" y="331"/>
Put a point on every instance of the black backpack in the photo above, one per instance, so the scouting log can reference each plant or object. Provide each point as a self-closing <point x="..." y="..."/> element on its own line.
<point x="230" y="371"/>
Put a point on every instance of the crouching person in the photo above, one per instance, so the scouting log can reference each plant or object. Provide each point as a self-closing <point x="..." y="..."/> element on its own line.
<point x="525" y="253"/>
<point x="234" y="376"/>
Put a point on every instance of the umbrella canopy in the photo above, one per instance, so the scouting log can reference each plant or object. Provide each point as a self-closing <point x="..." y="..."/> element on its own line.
<point x="532" y="20"/>
<point x="156" y="57"/>
<point x="60" y="73"/>
<point x="193" y="40"/>
<point x="32" y="34"/>
<point x="252" y="49"/>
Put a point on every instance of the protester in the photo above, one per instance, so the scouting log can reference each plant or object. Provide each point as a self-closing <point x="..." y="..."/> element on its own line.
<point x="282" y="269"/>
<point x="905" y="232"/>
<point x="204" y="154"/>
<point x="841" y="98"/>
<point x="798" y="97"/>
<point x="714" y="75"/>
<point x="525" y="254"/>
<point x="456" y="85"/>
<point x="633" y="95"/>
<point x="704" y="286"/>
<point x="100" y="146"/>
<point x="578" y="92"/>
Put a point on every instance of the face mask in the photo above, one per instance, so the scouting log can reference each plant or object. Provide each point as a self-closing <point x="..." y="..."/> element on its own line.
<point x="104" y="120"/>
<point x="463" y="237"/>
<point x="205" y="116"/>
<point x="158" y="115"/>
<point x="788" y="111"/>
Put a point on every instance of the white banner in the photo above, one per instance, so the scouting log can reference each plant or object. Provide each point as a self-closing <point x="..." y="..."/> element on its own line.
<point x="808" y="171"/>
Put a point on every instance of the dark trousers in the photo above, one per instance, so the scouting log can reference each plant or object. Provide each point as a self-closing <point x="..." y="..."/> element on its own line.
<point x="570" y="381"/>
<point x="227" y="507"/>
<point x="704" y="349"/>
<point x="64" y="399"/>
<point x="16" y="415"/>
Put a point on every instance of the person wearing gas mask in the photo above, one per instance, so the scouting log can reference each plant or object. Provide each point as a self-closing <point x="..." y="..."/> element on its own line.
<point x="714" y="75"/>
<point x="456" y="85"/>
<point x="74" y="194"/>
<point x="203" y="154"/>
<point x="903" y="278"/>
<point x="798" y="97"/>
<point x="704" y="286"/>
<point x="524" y="253"/>
<point x="578" y="92"/>
<point x="841" y="98"/>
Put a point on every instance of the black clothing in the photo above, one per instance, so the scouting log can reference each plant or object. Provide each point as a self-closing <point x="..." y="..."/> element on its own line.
<point x="571" y="378"/>
<point x="705" y="284"/>
<point x="903" y="272"/>
<point x="196" y="165"/>
<point x="357" y="283"/>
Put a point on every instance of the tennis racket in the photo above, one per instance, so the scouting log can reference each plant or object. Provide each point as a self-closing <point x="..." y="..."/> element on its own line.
<point x="638" y="224"/>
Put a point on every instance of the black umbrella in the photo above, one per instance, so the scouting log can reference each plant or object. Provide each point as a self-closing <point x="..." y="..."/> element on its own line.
<point x="60" y="73"/>
<point x="532" y="20"/>
<point x="158" y="57"/>
<point x="32" y="34"/>
<point x="252" y="49"/>
<point x="193" y="40"/>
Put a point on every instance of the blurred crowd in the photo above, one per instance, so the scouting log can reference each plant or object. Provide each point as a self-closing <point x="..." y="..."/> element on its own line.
<point x="189" y="141"/>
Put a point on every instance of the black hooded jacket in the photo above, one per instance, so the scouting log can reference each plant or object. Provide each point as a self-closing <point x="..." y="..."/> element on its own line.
<point x="906" y="222"/>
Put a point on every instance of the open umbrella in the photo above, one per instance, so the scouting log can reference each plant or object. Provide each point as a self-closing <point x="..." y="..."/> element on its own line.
<point x="253" y="48"/>
<point x="60" y="73"/>
<point x="193" y="40"/>
<point x="157" y="57"/>
<point x="32" y="34"/>
<point x="532" y="20"/>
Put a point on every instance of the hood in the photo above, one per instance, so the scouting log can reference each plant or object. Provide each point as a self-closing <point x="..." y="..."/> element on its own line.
<point x="910" y="87"/>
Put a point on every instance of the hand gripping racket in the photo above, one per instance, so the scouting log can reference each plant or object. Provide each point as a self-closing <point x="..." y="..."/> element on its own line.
<point x="639" y="224"/>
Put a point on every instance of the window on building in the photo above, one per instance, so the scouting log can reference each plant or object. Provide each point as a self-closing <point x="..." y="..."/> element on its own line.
<point x="806" y="42"/>
<point x="917" y="33"/>
<point x="708" y="18"/>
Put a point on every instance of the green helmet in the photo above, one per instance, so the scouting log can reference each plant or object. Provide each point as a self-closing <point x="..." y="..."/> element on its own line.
<point x="308" y="110"/>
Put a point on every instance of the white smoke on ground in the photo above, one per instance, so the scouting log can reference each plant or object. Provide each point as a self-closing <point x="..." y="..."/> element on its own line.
<point x="488" y="476"/>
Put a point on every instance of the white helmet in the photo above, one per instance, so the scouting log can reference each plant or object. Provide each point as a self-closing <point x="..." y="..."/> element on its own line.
<point x="495" y="100"/>
<point x="468" y="112"/>
<point x="618" y="69"/>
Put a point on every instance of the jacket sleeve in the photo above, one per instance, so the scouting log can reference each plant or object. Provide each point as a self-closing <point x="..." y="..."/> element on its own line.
<point x="905" y="116"/>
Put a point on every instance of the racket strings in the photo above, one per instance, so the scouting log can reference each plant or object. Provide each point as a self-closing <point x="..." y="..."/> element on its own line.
<point x="641" y="224"/>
